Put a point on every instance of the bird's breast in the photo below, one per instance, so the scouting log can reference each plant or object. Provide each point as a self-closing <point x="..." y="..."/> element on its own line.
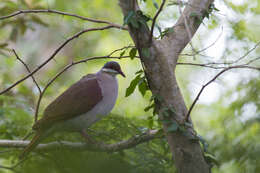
<point x="109" y="88"/>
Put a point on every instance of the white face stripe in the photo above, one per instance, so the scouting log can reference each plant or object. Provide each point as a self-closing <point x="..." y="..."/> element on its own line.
<point x="108" y="70"/>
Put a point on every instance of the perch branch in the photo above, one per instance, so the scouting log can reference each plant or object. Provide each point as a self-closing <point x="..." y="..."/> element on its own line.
<point x="78" y="146"/>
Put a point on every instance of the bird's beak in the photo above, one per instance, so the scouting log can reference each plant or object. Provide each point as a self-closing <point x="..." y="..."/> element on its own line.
<point x="120" y="72"/>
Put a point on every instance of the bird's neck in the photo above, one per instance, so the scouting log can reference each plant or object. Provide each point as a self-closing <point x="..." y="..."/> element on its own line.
<point x="102" y="72"/>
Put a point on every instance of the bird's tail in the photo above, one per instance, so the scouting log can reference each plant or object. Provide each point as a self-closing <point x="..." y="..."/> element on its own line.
<point x="34" y="142"/>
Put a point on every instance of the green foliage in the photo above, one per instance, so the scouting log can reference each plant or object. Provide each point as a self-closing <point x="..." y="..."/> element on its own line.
<point x="173" y="127"/>
<point x="145" y="52"/>
<point x="230" y="127"/>
<point x="238" y="8"/>
<point x="166" y="31"/>
<point x="132" y="53"/>
<point x="239" y="29"/>
<point x="129" y="18"/>
<point x="132" y="85"/>
<point x="139" y="81"/>
<point x="136" y="19"/>
<point x="155" y="4"/>
<point x="142" y="86"/>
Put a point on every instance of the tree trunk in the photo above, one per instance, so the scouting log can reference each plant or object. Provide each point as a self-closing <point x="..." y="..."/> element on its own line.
<point x="160" y="58"/>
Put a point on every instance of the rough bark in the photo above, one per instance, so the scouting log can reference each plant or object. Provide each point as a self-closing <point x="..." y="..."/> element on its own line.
<point x="160" y="73"/>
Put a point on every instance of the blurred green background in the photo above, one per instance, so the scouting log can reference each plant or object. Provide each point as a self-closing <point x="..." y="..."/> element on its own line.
<point x="227" y="115"/>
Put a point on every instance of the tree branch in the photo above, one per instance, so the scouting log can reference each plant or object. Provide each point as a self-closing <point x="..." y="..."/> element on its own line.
<point x="77" y="146"/>
<point x="64" y="14"/>
<point x="27" y="68"/>
<point x="54" y="54"/>
<point x="154" y="20"/>
<point x="180" y="37"/>
<point x="212" y="80"/>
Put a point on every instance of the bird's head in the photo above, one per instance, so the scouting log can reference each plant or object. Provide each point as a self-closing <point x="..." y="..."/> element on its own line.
<point x="112" y="68"/>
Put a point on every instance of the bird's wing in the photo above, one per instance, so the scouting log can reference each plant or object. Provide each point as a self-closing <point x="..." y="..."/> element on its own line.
<point x="80" y="98"/>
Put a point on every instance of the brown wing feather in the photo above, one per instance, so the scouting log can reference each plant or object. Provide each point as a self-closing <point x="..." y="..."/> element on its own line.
<point x="80" y="98"/>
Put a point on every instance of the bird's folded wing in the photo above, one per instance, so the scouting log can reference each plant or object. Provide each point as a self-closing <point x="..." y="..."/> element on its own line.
<point x="76" y="100"/>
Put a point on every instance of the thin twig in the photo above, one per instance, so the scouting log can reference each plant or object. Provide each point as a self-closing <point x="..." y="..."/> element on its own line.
<point x="64" y="14"/>
<point x="212" y="80"/>
<point x="28" y="69"/>
<point x="200" y="65"/>
<point x="248" y="52"/>
<point x="154" y="20"/>
<point x="54" y="54"/>
<point x="207" y="47"/>
<point x="224" y="64"/>
<point x="126" y="47"/>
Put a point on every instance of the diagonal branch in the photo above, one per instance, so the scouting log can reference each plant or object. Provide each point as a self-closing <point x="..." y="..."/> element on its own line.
<point x="27" y="68"/>
<point x="212" y="80"/>
<point x="154" y="20"/>
<point x="64" y="14"/>
<point x="54" y="54"/>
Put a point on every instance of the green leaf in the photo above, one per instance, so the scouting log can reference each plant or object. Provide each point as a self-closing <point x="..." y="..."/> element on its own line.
<point x="144" y="19"/>
<point x="150" y="122"/>
<point x="207" y="14"/>
<point x="173" y="127"/>
<point x="132" y="86"/>
<point x="211" y="159"/>
<point x="203" y="142"/>
<point x="145" y="52"/>
<point x="165" y="112"/>
<point x="166" y="121"/>
<point x="155" y="4"/>
<point x="122" y="53"/>
<point x="168" y="30"/>
<point x="134" y="23"/>
<point x="156" y="97"/>
<point x="172" y="110"/>
<point x="142" y="86"/>
<point x="146" y="109"/>
<point x="215" y="9"/>
<point x="128" y="17"/>
<point x="139" y="72"/>
<point x="132" y="53"/>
